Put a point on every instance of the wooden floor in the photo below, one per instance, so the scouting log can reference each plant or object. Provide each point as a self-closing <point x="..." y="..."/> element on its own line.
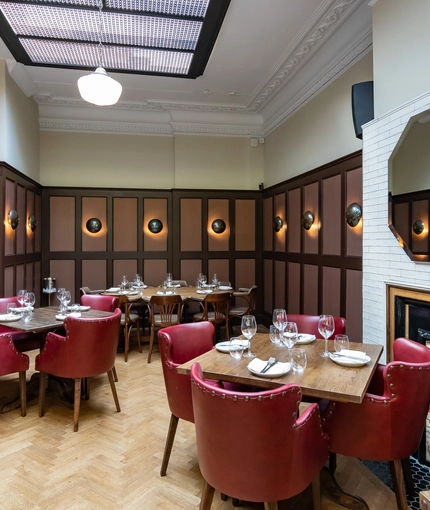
<point x="113" y="461"/>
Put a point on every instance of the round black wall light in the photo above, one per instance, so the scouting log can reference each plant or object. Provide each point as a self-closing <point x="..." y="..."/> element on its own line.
<point x="218" y="226"/>
<point x="94" y="225"/>
<point x="155" y="226"/>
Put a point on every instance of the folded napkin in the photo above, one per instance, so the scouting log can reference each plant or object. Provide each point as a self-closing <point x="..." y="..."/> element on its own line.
<point x="176" y="285"/>
<point x="204" y="291"/>
<point x="356" y="355"/>
<point x="257" y="365"/>
<point x="61" y="316"/>
<point x="224" y="287"/>
<point x="164" y="292"/>
<point x="113" y="289"/>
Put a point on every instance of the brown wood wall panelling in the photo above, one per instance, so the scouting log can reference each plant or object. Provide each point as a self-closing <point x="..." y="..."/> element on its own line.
<point x="21" y="251"/>
<point x="318" y="270"/>
<point x="185" y="246"/>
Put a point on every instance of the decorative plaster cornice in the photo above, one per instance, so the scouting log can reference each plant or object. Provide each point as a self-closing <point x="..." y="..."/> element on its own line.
<point x="104" y="127"/>
<point x="217" y="130"/>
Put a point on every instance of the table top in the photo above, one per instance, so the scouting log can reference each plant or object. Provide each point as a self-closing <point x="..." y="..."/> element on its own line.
<point x="322" y="378"/>
<point x="44" y="319"/>
<point x="146" y="293"/>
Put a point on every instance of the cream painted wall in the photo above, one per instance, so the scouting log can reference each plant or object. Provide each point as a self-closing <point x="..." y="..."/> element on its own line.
<point x="215" y="162"/>
<point x="21" y="133"/>
<point x="318" y="133"/>
<point x="106" y="160"/>
<point x="401" y="49"/>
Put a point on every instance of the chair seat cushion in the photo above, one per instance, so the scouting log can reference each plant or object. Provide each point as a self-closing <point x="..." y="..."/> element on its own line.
<point x="238" y="310"/>
<point x="199" y="316"/>
<point x="132" y="317"/>
<point x="157" y="319"/>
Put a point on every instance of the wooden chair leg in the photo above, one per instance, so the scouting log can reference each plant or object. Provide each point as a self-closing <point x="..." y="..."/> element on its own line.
<point x="407" y="473"/>
<point x="114" y="374"/>
<point x="398" y="483"/>
<point x="113" y="388"/>
<point x="223" y="497"/>
<point x="316" y="493"/>
<point x="76" y="404"/>
<point x="127" y="331"/>
<point x="139" y="346"/>
<point x="271" y="505"/>
<point x="169" y="443"/>
<point x="332" y="462"/>
<point x="42" y="390"/>
<point x="151" y="342"/>
<point x="23" y="392"/>
<point x="207" y="497"/>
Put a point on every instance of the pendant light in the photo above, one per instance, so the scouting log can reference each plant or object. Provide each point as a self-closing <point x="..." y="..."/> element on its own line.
<point x="98" y="88"/>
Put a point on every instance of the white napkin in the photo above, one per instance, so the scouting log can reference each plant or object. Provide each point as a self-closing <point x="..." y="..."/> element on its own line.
<point x="355" y="355"/>
<point x="164" y="293"/>
<point x="113" y="289"/>
<point x="224" y="287"/>
<point x="204" y="291"/>
<point x="258" y="364"/>
<point x="61" y="316"/>
<point x="6" y="316"/>
<point x="176" y="285"/>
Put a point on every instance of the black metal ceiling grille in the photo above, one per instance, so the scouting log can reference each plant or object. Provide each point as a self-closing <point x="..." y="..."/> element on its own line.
<point x="162" y="37"/>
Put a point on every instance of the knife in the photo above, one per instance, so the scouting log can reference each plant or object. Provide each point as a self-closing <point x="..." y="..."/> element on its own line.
<point x="268" y="366"/>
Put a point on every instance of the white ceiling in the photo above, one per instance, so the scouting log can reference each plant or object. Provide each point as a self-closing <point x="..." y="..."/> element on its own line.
<point x="271" y="56"/>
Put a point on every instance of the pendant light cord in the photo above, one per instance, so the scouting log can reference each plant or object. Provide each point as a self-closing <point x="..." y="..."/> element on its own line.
<point x="100" y="27"/>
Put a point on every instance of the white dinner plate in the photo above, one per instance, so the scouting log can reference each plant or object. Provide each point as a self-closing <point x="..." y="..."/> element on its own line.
<point x="278" y="370"/>
<point x="9" y="317"/>
<point x="304" y="338"/>
<point x="82" y="308"/>
<point x="61" y="317"/>
<point x="225" y="346"/>
<point x="349" y="362"/>
<point x="132" y="293"/>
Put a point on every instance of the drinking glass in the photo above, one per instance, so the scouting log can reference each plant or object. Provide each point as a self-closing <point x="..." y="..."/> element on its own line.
<point x="289" y="336"/>
<point x="326" y="329"/>
<point x="274" y="336"/>
<point x="341" y="342"/>
<point x="66" y="299"/>
<point x="215" y="281"/>
<point x="27" y="314"/>
<point x="60" y="295"/>
<point x="299" y="360"/>
<point x="30" y="299"/>
<point x="124" y="283"/>
<point x="236" y="348"/>
<point x="11" y="307"/>
<point x="249" y="328"/>
<point x="20" y="297"/>
<point x="279" y="319"/>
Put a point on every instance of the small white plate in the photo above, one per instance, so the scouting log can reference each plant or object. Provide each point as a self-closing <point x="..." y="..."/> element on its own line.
<point x="204" y="291"/>
<point x="9" y="317"/>
<point x="256" y="365"/>
<point x="225" y="346"/>
<point x="82" y="308"/>
<point x="305" y="339"/>
<point x="349" y="362"/>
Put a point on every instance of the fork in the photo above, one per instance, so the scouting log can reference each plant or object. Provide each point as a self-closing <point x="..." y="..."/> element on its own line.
<point x="270" y="363"/>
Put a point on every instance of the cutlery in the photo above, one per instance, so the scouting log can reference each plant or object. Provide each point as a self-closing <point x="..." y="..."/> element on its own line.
<point x="345" y="356"/>
<point x="272" y="361"/>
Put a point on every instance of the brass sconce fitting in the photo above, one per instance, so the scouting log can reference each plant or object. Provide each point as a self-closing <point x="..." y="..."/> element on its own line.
<point x="13" y="219"/>
<point x="307" y="220"/>
<point x="155" y="226"/>
<point x="94" y="225"/>
<point x="353" y="214"/>
<point x="277" y="224"/>
<point x="418" y="227"/>
<point x="218" y="226"/>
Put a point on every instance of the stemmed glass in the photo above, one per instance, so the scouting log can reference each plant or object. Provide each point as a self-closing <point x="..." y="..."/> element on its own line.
<point x="30" y="299"/>
<point x="60" y="295"/>
<point x="249" y="328"/>
<point x="279" y="319"/>
<point x="20" y="297"/>
<point x="326" y="329"/>
<point x="215" y="281"/>
<point x="289" y="337"/>
<point x="66" y="299"/>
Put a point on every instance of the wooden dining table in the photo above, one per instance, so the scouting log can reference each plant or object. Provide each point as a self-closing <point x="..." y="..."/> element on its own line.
<point x="322" y="378"/>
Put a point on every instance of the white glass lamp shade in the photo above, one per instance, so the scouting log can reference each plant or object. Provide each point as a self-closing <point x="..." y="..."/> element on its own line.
<point x="98" y="88"/>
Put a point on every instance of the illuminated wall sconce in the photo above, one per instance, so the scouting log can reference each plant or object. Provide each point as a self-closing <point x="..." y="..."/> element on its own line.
<point x="353" y="214"/>
<point x="32" y="223"/>
<point x="277" y="224"/>
<point x="418" y="227"/>
<point x="307" y="220"/>
<point x="155" y="226"/>
<point x="13" y="219"/>
<point x="218" y="226"/>
<point x="94" y="225"/>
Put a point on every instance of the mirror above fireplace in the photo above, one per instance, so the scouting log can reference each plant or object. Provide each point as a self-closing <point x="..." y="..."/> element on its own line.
<point x="409" y="188"/>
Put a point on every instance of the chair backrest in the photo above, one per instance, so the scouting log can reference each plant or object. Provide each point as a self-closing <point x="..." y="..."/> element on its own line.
<point x="179" y="344"/>
<point x="165" y="307"/>
<point x="250" y="296"/>
<point x="12" y="360"/>
<point x="219" y="304"/>
<point x="99" y="302"/>
<point x="309" y="324"/>
<point x="182" y="283"/>
<point x="252" y="446"/>
<point x="88" y="349"/>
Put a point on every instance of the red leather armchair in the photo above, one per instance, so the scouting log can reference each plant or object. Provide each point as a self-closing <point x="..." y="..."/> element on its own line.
<point x="389" y="423"/>
<point x="23" y="341"/>
<point x="99" y="302"/>
<point x="79" y="355"/>
<point x="11" y="361"/>
<point x="309" y="324"/>
<point x="253" y="446"/>
<point x="179" y="344"/>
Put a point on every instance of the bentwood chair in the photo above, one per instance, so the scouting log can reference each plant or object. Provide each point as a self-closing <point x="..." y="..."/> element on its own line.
<point x="388" y="425"/>
<point x="248" y="298"/>
<point x="164" y="311"/>
<point x="216" y="309"/>
<point x="87" y="290"/>
<point x="12" y="361"/>
<point x="179" y="344"/>
<point x="79" y="355"/>
<point x="253" y="446"/>
<point x="309" y="324"/>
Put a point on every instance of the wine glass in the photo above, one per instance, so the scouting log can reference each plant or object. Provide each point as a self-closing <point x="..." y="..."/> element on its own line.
<point x="66" y="299"/>
<point x="20" y="297"/>
<point x="124" y="283"/>
<point x="249" y="328"/>
<point x="289" y="337"/>
<point x="279" y="319"/>
<point x="326" y="329"/>
<point x="30" y="299"/>
<point x="60" y="295"/>
<point x="215" y="281"/>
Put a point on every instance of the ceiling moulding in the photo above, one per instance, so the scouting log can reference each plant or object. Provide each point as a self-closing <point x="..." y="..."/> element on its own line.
<point x="241" y="131"/>
<point x="364" y="46"/>
<point x="104" y="127"/>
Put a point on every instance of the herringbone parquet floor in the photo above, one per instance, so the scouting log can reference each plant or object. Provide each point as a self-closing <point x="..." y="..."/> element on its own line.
<point x="113" y="461"/>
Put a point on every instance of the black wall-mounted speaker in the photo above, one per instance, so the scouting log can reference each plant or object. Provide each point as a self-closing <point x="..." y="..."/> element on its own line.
<point x="362" y="105"/>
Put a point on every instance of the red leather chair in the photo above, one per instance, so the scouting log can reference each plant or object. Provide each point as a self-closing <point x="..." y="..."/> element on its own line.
<point x="179" y="344"/>
<point x="253" y="446"/>
<point x="389" y="423"/>
<point x="99" y="302"/>
<point x="78" y="355"/>
<point x="11" y="361"/>
<point x="309" y="324"/>
<point x="23" y="341"/>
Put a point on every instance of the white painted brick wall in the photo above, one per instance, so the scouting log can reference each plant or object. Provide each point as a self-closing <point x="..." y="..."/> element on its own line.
<point x="384" y="261"/>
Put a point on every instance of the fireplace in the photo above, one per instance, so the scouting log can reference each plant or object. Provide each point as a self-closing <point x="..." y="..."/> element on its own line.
<point x="409" y="317"/>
